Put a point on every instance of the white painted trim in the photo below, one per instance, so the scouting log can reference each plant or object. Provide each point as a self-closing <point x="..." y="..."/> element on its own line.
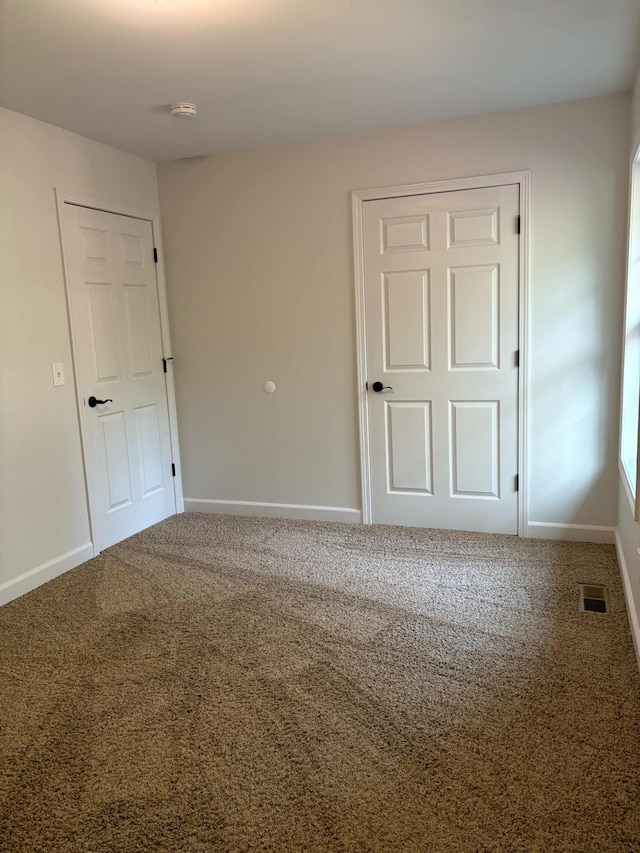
<point x="632" y="613"/>
<point x="634" y="498"/>
<point x="169" y="376"/>
<point x="627" y="485"/>
<point x="361" y="357"/>
<point x="523" y="180"/>
<point x="453" y="185"/>
<point x="63" y="197"/>
<point x="28" y="581"/>
<point x="524" y="383"/>
<point x="571" y="532"/>
<point x="274" y="510"/>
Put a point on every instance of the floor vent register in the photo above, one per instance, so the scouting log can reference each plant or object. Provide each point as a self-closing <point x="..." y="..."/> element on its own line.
<point x="593" y="598"/>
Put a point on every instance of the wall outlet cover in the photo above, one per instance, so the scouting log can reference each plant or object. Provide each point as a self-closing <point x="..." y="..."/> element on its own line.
<point x="58" y="373"/>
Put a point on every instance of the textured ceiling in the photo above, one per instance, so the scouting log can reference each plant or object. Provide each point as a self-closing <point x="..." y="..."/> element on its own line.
<point x="265" y="71"/>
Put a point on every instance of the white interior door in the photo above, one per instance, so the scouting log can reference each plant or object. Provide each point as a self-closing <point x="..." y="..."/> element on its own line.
<point x="441" y="308"/>
<point x="115" y="317"/>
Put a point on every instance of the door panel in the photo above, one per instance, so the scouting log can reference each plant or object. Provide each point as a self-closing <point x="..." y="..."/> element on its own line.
<point x="474" y="318"/>
<point x="132" y="250"/>
<point x="404" y="234"/>
<point x="116" y="459"/>
<point x="102" y="329"/>
<point x="407" y="320"/>
<point x="469" y="228"/>
<point x="475" y="448"/>
<point x="441" y="308"/>
<point x="115" y="318"/>
<point x="150" y="448"/>
<point x="138" y="325"/>
<point x="409" y="447"/>
<point x="93" y="244"/>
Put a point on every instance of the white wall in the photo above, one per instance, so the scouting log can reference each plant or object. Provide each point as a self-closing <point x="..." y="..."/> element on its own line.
<point x="43" y="511"/>
<point x="628" y="530"/>
<point x="259" y="255"/>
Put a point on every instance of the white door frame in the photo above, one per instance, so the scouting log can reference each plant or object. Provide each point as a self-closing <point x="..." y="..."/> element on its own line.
<point x="523" y="180"/>
<point x="63" y="197"/>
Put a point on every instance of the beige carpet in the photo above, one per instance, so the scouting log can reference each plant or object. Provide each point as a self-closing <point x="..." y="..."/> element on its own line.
<point x="228" y="684"/>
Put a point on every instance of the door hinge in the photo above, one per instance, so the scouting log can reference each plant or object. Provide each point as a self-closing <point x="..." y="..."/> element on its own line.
<point x="155" y="255"/>
<point x="366" y="385"/>
<point x="173" y="469"/>
<point x="518" y="224"/>
<point x="164" y="363"/>
<point x="516" y="358"/>
<point x="516" y="483"/>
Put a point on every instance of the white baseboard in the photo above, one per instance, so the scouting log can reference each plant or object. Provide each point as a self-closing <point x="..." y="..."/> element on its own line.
<point x="28" y="581"/>
<point x="571" y="532"/>
<point x="632" y="613"/>
<point x="274" y="510"/>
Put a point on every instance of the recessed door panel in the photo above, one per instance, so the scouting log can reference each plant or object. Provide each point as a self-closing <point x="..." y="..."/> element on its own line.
<point x="409" y="447"/>
<point x="406" y="320"/>
<point x="468" y="228"/>
<point x="404" y="234"/>
<point x="474" y="318"/>
<point x="150" y="449"/>
<point x="93" y="245"/>
<point x="475" y="448"/>
<point x="102" y="330"/>
<point x="140" y="341"/>
<point x="132" y="249"/>
<point x="116" y="459"/>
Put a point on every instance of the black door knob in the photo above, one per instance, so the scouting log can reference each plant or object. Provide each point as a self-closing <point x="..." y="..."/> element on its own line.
<point x="378" y="387"/>
<point x="93" y="402"/>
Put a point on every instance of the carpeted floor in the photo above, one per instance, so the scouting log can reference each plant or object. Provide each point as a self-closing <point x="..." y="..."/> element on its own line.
<point x="234" y="684"/>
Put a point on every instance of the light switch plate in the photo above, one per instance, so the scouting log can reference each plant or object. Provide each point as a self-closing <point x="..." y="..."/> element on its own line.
<point x="58" y="373"/>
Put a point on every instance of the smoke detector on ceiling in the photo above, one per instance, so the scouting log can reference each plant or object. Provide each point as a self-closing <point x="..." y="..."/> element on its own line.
<point x="184" y="110"/>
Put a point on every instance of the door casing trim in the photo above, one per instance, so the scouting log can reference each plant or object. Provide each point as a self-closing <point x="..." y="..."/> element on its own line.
<point x="78" y="199"/>
<point x="358" y="198"/>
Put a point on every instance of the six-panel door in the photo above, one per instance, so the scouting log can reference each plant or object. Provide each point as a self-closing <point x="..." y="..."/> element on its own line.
<point x="441" y="279"/>
<point x="118" y="346"/>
